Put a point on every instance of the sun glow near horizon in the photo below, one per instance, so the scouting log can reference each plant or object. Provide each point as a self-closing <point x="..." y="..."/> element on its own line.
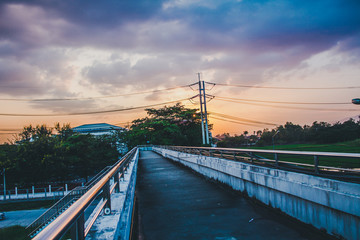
<point x="109" y="49"/>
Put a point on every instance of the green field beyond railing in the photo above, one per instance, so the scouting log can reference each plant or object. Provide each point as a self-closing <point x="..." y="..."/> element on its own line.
<point x="338" y="165"/>
<point x="343" y="147"/>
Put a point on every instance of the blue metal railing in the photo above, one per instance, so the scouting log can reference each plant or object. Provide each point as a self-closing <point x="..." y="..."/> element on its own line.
<point x="58" y="220"/>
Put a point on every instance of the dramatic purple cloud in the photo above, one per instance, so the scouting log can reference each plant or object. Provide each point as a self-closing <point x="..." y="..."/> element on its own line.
<point x="47" y="46"/>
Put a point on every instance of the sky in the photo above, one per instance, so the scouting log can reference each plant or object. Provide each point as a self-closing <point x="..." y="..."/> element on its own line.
<point x="266" y="56"/>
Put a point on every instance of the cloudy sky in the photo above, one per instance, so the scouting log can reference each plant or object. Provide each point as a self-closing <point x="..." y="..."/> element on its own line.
<point x="264" y="53"/>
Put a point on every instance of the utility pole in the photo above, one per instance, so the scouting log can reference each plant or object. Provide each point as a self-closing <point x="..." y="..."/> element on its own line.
<point x="204" y="120"/>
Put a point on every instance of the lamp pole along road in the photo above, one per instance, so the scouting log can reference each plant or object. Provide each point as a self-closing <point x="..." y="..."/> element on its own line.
<point x="273" y="139"/>
<point x="204" y="120"/>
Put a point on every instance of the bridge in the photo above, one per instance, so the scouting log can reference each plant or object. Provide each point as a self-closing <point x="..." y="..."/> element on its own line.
<point x="210" y="193"/>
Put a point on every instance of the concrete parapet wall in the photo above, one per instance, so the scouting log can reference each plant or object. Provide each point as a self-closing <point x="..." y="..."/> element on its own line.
<point x="117" y="225"/>
<point x="326" y="204"/>
<point x="124" y="226"/>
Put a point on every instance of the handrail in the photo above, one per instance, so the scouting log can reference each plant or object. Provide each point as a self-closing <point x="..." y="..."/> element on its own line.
<point x="97" y="176"/>
<point x="97" y="213"/>
<point x="57" y="228"/>
<point x="307" y="153"/>
<point x="352" y="174"/>
<point x="54" y="210"/>
<point x="63" y="203"/>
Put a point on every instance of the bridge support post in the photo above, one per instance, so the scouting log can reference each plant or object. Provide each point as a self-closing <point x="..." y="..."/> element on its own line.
<point x="77" y="231"/>
<point x="316" y="164"/>
<point x="106" y="195"/>
<point x="117" y="181"/>
<point x="251" y="157"/>
<point x="122" y="176"/>
<point x="276" y="160"/>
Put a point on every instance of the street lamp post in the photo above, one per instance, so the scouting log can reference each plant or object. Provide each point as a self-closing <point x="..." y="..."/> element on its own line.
<point x="273" y="137"/>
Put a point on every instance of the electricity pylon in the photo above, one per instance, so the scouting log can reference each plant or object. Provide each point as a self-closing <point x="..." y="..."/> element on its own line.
<point x="204" y="119"/>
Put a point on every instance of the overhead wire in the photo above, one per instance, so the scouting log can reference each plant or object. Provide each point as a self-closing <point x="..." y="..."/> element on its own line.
<point x="285" y="88"/>
<point x="287" y="107"/>
<point x="92" y="112"/>
<point x="90" y="98"/>
<point x="237" y="122"/>
<point x="280" y="102"/>
<point x="10" y="129"/>
<point x="241" y="119"/>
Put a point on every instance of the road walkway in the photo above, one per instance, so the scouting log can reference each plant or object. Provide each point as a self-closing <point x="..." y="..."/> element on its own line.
<point x="21" y="217"/>
<point x="176" y="203"/>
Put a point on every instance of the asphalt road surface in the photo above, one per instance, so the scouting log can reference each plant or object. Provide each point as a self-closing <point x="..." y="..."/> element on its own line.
<point x="176" y="203"/>
<point x="21" y="217"/>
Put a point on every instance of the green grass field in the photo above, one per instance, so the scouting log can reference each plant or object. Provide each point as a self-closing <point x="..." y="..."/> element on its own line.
<point x="344" y="147"/>
<point x="13" y="233"/>
<point x="26" y="205"/>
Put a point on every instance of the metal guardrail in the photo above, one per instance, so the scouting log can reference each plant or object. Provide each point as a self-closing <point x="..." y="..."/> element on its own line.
<point x="54" y="211"/>
<point x="67" y="216"/>
<point x="61" y="205"/>
<point x="253" y="156"/>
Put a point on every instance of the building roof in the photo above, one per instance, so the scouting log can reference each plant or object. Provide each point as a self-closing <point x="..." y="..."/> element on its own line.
<point x="96" y="127"/>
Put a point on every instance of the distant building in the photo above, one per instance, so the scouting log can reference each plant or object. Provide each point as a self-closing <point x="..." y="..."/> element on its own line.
<point x="98" y="129"/>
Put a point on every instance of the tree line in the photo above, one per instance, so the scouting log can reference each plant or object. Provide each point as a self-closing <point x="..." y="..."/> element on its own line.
<point x="174" y="125"/>
<point x="40" y="156"/>
<point x="318" y="132"/>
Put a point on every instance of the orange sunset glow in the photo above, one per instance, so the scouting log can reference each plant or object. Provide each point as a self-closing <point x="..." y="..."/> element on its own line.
<point x="265" y="64"/>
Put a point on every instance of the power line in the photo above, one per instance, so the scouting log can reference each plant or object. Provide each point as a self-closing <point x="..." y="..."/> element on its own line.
<point x="10" y="129"/>
<point x="241" y="119"/>
<point x="237" y="122"/>
<point x="285" y="88"/>
<point x="88" y="113"/>
<point x="122" y="123"/>
<point x="286" y="107"/>
<point x="279" y="102"/>
<point x="90" y="98"/>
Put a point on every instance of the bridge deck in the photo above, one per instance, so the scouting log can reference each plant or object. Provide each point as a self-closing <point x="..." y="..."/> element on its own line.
<point x="175" y="203"/>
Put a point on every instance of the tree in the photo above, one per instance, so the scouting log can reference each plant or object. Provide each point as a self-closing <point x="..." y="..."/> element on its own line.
<point x="233" y="142"/>
<point x="174" y="125"/>
<point x="40" y="156"/>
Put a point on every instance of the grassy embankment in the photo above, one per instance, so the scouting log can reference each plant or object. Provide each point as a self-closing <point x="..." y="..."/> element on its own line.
<point x="25" y="205"/>
<point x="344" y="147"/>
<point x="13" y="233"/>
<point x="19" y="232"/>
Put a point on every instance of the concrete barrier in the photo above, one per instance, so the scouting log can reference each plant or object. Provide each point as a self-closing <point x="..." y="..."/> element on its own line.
<point x="125" y="223"/>
<point x="327" y="204"/>
<point x="117" y="224"/>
